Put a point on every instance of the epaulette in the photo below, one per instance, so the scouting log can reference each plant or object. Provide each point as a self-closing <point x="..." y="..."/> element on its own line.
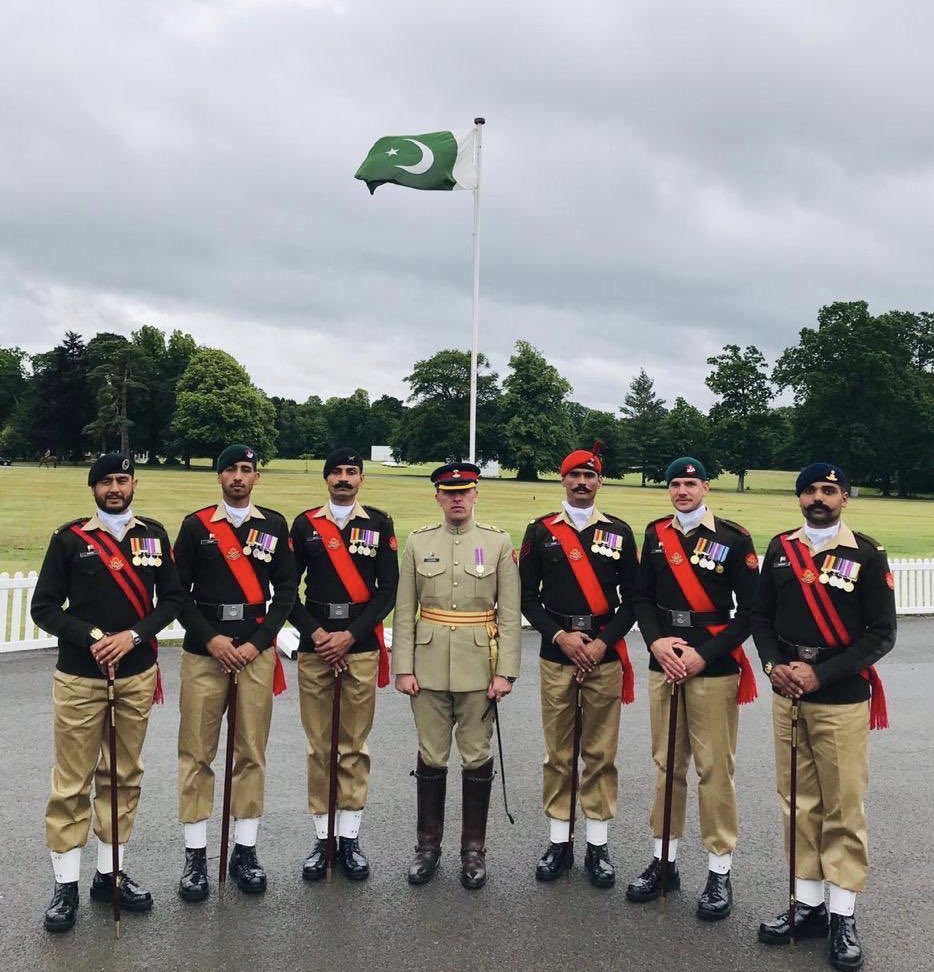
<point x="661" y="519"/>
<point x="80" y="521"/>
<point x="613" y="516"/>
<point x="268" y="510"/>
<point x="545" y="516"/>
<point x="210" y="506"/>
<point x="784" y="533"/>
<point x="738" y="527"/>
<point x="152" y="521"/>
<point x="376" y="509"/>
<point x="869" y="540"/>
<point x="490" y="527"/>
<point x="427" y="528"/>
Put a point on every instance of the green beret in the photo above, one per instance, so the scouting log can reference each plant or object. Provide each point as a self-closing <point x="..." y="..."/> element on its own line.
<point x="687" y="467"/>
<point x="235" y="453"/>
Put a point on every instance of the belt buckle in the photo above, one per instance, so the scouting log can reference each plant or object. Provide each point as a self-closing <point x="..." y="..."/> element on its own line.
<point x="681" y="619"/>
<point x="581" y="622"/>
<point x="338" y="612"/>
<point x="231" y="612"/>
<point x="807" y="654"/>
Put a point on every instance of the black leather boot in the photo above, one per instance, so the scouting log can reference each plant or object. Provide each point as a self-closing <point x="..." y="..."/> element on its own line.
<point x="352" y="860"/>
<point x="132" y="896"/>
<point x="246" y="870"/>
<point x="63" y="908"/>
<point x="810" y="922"/>
<point x="553" y="863"/>
<point x="648" y="885"/>
<point x="193" y="884"/>
<point x="716" y="900"/>
<point x="477" y="784"/>
<point x="431" y="782"/>
<point x="845" y="949"/>
<point x="597" y="864"/>
<point x="316" y="863"/>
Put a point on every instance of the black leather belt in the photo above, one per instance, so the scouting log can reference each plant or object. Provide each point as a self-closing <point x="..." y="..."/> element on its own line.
<point x="678" y="618"/>
<point x="580" y="622"/>
<point x="807" y="653"/>
<point x="336" y="612"/>
<point x="232" y="612"/>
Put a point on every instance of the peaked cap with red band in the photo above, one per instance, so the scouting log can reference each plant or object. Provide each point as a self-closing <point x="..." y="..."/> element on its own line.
<point x="584" y="459"/>
<point x="456" y="475"/>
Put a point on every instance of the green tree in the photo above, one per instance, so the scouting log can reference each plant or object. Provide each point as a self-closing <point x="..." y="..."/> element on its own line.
<point x="685" y="431"/>
<point x="535" y="431"/>
<point x="62" y="398"/>
<point x="385" y="415"/>
<point x="216" y="404"/>
<point x="741" y="424"/>
<point x="12" y="380"/>
<point x="643" y="413"/>
<point x="590" y="425"/>
<point x="119" y="369"/>
<point x="348" y="421"/>
<point x="863" y="393"/>
<point x="436" y="426"/>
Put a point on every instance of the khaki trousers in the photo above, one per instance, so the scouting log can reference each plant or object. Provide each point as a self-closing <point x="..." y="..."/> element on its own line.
<point x="82" y="751"/>
<point x="468" y="714"/>
<point x="600" y="696"/>
<point x="202" y="703"/>
<point x="707" y="719"/>
<point x="358" y="703"/>
<point x="833" y="773"/>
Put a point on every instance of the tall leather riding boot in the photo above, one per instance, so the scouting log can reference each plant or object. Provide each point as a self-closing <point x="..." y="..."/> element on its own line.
<point x="477" y="785"/>
<point x="431" y="782"/>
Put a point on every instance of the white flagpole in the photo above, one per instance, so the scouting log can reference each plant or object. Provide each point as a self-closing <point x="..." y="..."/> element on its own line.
<point x="478" y="122"/>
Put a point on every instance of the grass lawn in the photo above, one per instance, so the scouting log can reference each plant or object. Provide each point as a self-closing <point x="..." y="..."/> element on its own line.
<point x="36" y="501"/>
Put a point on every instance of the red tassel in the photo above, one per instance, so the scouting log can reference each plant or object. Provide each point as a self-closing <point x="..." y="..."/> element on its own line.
<point x="158" y="696"/>
<point x="746" y="690"/>
<point x="382" y="674"/>
<point x="878" y="708"/>
<point x="628" y="694"/>
<point x="278" y="676"/>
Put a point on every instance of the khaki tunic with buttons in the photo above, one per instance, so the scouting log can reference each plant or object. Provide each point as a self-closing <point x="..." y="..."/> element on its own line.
<point x="448" y="568"/>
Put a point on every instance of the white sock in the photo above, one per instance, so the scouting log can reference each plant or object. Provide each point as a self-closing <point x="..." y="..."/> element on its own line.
<point x="719" y="863"/>
<point x="842" y="902"/>
<point x="196" y="835"/>
<point x="321" y="825"/>
<point x="105" y="857"/>
<point x="672" y="849"/>
<point x="245" y="831"/>
<point x="67" y="865"/>
<point x="808" y="892"/>
<point x="348" y="824"/>
<point x="597" y="831"/>
<point x="560" y="830"/>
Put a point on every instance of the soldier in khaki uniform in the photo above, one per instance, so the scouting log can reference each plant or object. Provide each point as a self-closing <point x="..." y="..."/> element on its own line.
<point x="456" y="658"/>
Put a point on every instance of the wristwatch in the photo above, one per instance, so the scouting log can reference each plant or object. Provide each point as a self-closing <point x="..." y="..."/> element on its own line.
<point x="767" y="668"/>
<point x="511" y="679"/>
<point x="137" y="639"/>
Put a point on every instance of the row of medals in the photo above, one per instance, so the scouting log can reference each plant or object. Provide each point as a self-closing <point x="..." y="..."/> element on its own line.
<point x="604" y="551"/>
<point x="706" y="563"/>
<point x="144" y="560"/>
<point x="258" y="553"/>
<point x="362" y="549"/>
<point x="835" y="580"/>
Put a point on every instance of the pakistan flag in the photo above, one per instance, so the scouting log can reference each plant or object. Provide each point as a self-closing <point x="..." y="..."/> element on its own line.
<point x="438" y="160"/>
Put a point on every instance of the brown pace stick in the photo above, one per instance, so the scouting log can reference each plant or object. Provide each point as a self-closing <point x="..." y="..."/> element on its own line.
<point x="114" y="821"/>
<point x="575" y="759"/>
<point x="669" y="784"/>
<point x="228" y="777"/>
<point x="332" y="773"/>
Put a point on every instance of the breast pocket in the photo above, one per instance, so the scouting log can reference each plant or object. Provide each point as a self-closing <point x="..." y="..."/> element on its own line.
<point x="430" y="579"/>
<point x="89" y="566"/>
<point x="480" y="582"/>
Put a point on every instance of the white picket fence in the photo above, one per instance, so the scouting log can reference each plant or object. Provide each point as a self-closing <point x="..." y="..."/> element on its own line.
<point x="914" y="594"/>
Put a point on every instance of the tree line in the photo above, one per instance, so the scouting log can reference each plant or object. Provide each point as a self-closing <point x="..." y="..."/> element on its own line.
<point x="862" y="390"/>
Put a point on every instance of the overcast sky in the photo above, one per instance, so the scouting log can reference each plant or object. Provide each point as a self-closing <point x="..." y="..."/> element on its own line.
<point x="659" y="179"/>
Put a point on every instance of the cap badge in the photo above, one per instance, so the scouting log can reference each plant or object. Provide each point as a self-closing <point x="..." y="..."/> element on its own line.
<point x="125" y="465"/>
<point x="689" y="468"/>
<point x="832" y="476"/>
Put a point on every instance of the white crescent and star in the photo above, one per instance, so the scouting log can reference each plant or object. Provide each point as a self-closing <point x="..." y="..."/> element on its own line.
<point x="424" y="163"/>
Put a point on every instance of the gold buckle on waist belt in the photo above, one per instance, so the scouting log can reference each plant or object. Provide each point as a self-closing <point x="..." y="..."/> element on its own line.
<point x="457" y="617"/>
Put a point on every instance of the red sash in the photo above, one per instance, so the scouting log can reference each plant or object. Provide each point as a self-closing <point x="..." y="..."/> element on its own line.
<point x="830" y="624"/>
<point x="589" y="584"/>
<point x="135" y="591"/>
<point x="700" y="601"/>
<point x="245" y="576"/>
<point x="352" y="580"/>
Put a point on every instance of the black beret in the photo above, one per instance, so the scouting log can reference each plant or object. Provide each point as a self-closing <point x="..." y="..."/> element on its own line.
<point x="233" y="454"/>
<point x="342" y="457"/>
<point x="820" y="472"/>
<point x="111" y="462"/>
<point x="687" y="467"/>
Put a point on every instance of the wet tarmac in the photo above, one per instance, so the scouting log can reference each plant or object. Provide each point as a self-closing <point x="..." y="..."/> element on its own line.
<point x="512" y="923"/>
